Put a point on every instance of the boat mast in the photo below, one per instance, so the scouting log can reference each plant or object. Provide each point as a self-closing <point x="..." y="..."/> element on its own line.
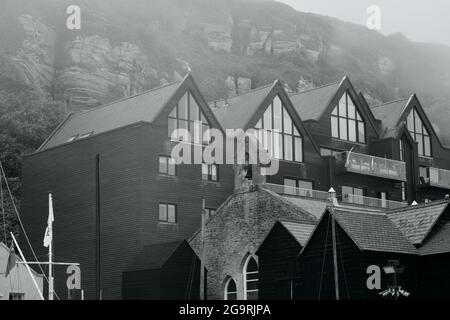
<point x="333" y="235"/>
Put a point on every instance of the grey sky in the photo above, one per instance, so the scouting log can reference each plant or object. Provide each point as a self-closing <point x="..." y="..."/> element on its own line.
<point x="419" y="20"/>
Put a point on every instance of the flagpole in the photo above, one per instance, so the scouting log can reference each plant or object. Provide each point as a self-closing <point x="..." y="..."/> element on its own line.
<point x="50" y="248"/>
<point x="28" y="267"/>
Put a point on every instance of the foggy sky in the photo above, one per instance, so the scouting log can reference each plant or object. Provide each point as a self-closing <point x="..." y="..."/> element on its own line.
<point x="419" y="20"/>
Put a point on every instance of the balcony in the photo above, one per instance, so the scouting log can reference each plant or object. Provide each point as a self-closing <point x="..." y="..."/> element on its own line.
<point x="372" y="202"/>
<point x="436" y="178"/>
<point x="344" y="199"/>
<point x="371" y="165"/>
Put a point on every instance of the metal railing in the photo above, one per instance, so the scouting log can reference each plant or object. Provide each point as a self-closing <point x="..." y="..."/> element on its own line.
<point x="371" y="165"/>
<point x="323" y="195"/>
<point x="372" y="202"/>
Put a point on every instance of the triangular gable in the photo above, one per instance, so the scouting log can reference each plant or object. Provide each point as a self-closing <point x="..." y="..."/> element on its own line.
<point x="189" y="85"/>
<point x="278" y="90"/>
<point x="414" y="102"/>
<point x="363" y="109"/>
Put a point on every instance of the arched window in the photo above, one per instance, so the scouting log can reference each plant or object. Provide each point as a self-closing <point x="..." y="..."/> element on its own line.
<point x="419" y="133"/>
<point x="346" y="122"/>
<point x="251" y="277"/>
<point x="230" y="290"/>
<point x="278" y="134"/>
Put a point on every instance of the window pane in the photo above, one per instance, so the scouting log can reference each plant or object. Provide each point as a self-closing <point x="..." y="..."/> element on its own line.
<point x="361" y="132"/>
<point x="277" y="114"/>
<point x="410" y="122"/>
<point x="268" y="118"/>
<point x="252" y="265"/>
<point x="193" y="111"/>
<point x="427" y="146"/>
<point x="335" y="112"/>
<point x="171" y="170"/>
<point x="296" y="133"/>
<point x="289" y="186"/>
<point x="162" y="165"/>
<point x="162" y="212"/>
<point x="352" y="130"/>
<point x="298" y="149"/>
<point x="171" y="126"/>
<point x="258" y="125"/>
<point x="231" y="286"/>
<point x="351" y="109"/>
<point x="419" y="144"/>
<point x="287" y="122"/>
<point x="305" y="184"/>
<point x="334" y="127"/>
<point x="214" y="172"/>
<point x="277" y="146"/>
<point x="418" y="122"/>
<point x="183" y="108"/>
<point x="205" y="172"/>
<point x="343" y="128"/>
<point x="183" y="124"/>
<point x="288" y="148"/>
<point x="206" y="134"/>
<point x="343" y="107"/>
<point x="173" y="113"/>
<point x="171" y="213"/>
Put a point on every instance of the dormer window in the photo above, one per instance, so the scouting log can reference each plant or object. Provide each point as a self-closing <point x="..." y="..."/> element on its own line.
<point x="346" y="122"/>
<point x="419" y="133"/>
<point x="278" y="134"/>
<point x="187" y="115"/>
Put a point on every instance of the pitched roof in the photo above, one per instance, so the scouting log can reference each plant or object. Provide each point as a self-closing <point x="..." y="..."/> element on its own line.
<point x="439" y="242"/>
<point x="313" y="206"/>
<point x="311" y="104"/>
<point x="153" y="256"/>
<point x="373" y="231"/>
<point x="300" y="231"/>
<point x="142" y="107"/>
<point x="416" y="222"/>
<point x="389" y="113"/>
<point x="236" y="112"/>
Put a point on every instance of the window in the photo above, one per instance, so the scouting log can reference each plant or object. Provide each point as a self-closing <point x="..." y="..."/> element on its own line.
<point x="167" y="166"/>
<point x="352" y="195"/>
<point x="326" y="152"/>
<point x="419" y="132"/>
<point x="403" y="186"/>
<point x="16" y="296"/>
<point x="298" y="187"/>
<point x="209" y="213"/>
<point x="210" y="172"/>
<point x="187" y="115"/>
<point x="278" y="134"/>
<point x="230" y="290"/>
<point x="167" y="213"/>
<point x="402" y="155"/>
<point x="251" y="277"/>
<point x="346" y="122"/>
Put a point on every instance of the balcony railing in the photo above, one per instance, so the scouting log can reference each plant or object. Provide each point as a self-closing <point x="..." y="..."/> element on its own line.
<point x="373" y="166"/>
<point x="437" y="178"/>
<point x="291" y="191"/>
<point x="372" y="202"/>
<point x="323" y="195"/>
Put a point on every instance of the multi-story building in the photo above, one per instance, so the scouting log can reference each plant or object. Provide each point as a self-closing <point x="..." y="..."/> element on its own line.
<point x="118" y="193"/>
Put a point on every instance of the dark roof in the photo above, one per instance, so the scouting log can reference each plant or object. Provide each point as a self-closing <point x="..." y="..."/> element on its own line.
<point x="416" y="222"/>
<point x="154" y="256"/>
<point x="236" y="112"/>
<point x="373" y="231"/>
<point x="300" y="231"/>
<point x="389" y="114"/>
<point x="142" y="107"/>
<point x="438" y="242"/>
<point x="311" y="104"/>
<point x="313" y="206"/>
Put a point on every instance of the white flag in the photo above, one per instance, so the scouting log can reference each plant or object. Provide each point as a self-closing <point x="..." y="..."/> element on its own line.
<point x="48" y="237"/>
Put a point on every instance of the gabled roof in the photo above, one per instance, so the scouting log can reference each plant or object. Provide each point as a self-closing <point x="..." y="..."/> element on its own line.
<point x="300" y="231"/>
<point x="390" y="113"/>
<point x="153" y="256"/>
<point x="439" y="242"/>
<point x="416" y="222"/>
<point x="373" y="231"/>
<point x="143" y="107"/>
<point x="313" y="206"/>
<point x="236" y="112"/>
<point x="311" y="104"/>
